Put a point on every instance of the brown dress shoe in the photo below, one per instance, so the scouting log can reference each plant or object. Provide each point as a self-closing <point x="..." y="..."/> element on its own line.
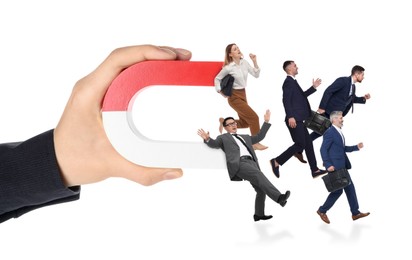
<point x="360" y="215"/>
<point x="324" y="217"/>
<point x="300" y="157"/>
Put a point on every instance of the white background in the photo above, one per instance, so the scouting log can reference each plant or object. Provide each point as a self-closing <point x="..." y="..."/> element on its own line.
<point x="47" y="45"/>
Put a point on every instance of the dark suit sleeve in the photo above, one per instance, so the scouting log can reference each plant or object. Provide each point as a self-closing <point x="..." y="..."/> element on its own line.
<point x="351" y="148"/>
<point x="215" y="143"/>
<point x="359" y="100"/>
<point x="310" y="91"/>
<point x="336" y="86"/>
<point x="324" y="149"/>
<point x="288" y="89"/>
<point x="262" y="133"/>
<point x="30" y="177"/>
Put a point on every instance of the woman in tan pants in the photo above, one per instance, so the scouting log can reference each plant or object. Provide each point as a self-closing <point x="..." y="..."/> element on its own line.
<point x="239" y="68"/>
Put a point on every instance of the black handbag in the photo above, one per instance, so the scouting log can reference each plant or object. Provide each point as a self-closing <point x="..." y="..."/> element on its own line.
<point x="226" y="85"/>
<point x="336" y="180"/>
<point x="317" y="122"/>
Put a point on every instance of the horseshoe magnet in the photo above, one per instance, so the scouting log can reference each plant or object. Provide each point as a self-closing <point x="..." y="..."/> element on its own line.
<point x="124" y="134"/>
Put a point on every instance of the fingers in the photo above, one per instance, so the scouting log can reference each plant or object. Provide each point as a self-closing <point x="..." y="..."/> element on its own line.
<point x="127" y="56"/>
<point x="267" y="115"/>
<point x="130" y="55"/>
<point x="118" y="60"/>
<point x="179" y="53"/>
<point x="316" y="83"/>
<point x="199" y="133"/>
<point x="202" y="133"/>
<point x="150" y="176"/>
<point x="292" y="122"/>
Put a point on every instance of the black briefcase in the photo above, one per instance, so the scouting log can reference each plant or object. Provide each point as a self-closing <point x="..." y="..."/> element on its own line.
<point x="336" y="180"/>
<point x="317" y="122"/>
<point x="226" y="85"/>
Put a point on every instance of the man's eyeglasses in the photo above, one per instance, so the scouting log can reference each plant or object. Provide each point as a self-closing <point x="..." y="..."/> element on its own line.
<point x="231" y="124"/>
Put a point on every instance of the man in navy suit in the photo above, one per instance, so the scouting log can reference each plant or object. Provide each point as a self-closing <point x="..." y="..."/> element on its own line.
<point x="341" y="95"/>
<point x="297" y="108"/>
<point x="242" y="163"/>
<point x="333" y="152"/>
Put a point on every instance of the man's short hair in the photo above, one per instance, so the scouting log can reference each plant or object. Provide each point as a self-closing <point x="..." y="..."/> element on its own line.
<point x="227" y="118"/>
<point x="356" y="69"/>
<point x="286" y="64"/>
<point x="335" y="114"/>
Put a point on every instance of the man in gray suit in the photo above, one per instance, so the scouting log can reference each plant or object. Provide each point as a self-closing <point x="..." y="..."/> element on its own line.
<point x="242" y="163"/>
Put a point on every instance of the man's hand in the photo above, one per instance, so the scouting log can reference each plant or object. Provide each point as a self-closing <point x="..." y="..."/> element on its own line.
<point x="267" y="116"/>
<point x="202" y="133"/>
<point x="292" y="122"/>
<point x="321" y="111"/>
<point x="84" y="152"/>
<point x="316" y="83"/>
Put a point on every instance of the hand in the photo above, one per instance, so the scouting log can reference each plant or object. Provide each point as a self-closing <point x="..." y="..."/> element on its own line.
<point x="360" y="146"/>
<point x="292" y="122"/>
<point x="367" y="96"/>
<point x="202" y="133"/>
<point x="83" y="151"/>
<point x="321" y="111"/>
<point x="252" y="56"/>
<point x="331" y="169"/>
<point x="266" y="117"/>
<point x="316" y="83"/>
<point x="221" y="93"/>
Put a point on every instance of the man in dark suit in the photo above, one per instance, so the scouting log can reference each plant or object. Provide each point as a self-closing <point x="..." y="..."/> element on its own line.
<point x="341" y="95"/>
<point x="297" y="108"/>
<point x="242" y="163"/>
<point x="333" y="152"/>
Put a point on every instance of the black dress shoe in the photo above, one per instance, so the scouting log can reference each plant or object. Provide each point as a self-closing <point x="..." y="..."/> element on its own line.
<point x="264" y="217"/>
<point x="300" y="157"/>
<point x="283" y="198"/>
<point x="274" y="168"/>
<point x="319" y="173"/>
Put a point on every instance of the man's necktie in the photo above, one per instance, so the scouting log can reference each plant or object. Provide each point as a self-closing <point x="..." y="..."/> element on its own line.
<point x="243" y="142"/>
<point x="353" y="96"/>
<point x="343" y="138"/>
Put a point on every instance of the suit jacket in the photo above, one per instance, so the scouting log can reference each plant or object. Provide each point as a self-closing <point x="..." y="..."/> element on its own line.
<point x="226" y="85"/>
<point x="333" y="150"/>
<point x="335" y="97"/>
<point x="295" y="100"/>
<point x="232" y="151"/>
